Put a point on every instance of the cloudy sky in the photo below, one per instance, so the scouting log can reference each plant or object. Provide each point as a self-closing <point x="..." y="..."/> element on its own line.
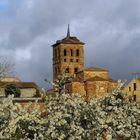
<point x="110" y="29"/>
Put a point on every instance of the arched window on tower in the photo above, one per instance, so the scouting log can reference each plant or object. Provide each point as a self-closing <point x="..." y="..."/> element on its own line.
<point x="71" y="52"/>
<point x="55" y="53"/>
<point x="77" y="52"/>
<point x="67" y="70"/>
<point x="55" y="72"/>
<point x="58" y="52"/>
<point x="135" y="97"/>
<point x="75" y="70"/>
<point x="65" y="52"/>
<point x="58" y="71"/>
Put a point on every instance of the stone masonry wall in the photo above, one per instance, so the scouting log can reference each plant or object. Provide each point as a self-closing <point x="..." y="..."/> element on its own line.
<point x="76" y="87"/>
<point x="61" y="62"/>
<point x="98" y="88"/>
<point x="89" y="74"/>
<point x="101" y="88"/>
<point x="90" y="88"/>
<point x="112" y="85"/>
<point x="80" y="76"/>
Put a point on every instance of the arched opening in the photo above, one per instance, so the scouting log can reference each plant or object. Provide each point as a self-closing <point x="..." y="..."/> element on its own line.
<point x="58" y="52"/>
<point x="135" y="86"/>
<point x="65" y="52"/>
<point x="129" y="89"/>
<point x="58" y="70"/>
<point x="75" y="70"/>
<point x="55" y="71"/>
<point x="67" y="70"/>
<point x="71" y="52"/>
<point x="71" y="60"/>
<point x="65" y="60"/>
<point x="55" y="53"/>
<point x="77" y="52"/>
<point x="134" y="97"/>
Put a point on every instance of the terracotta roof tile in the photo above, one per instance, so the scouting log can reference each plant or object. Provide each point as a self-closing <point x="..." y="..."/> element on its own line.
<point x="96" y="78"/>
<point x="138" y="78"/>
<point x="68" y="40"/>
<point x="5" y="78"/>
<point x="95" y="69"/>
<point x="20" y="84"/>
<point x="112" y="80"/>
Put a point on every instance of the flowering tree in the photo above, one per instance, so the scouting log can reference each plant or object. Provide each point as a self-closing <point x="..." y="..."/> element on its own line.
<point x="60" y="83"/>
<point x="118" y="115"/>
<point x="113" y="116"/>
<point x="71" y="117"/>
<point x="17" y="122"/>
<point x="6" y="67"/>
<point x="64" y="115"/>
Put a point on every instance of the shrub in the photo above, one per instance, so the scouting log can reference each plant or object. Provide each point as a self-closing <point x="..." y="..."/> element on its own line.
<point x="12" y="89"/>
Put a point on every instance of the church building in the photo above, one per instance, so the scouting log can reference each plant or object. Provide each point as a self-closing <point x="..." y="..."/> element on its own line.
<point x="68" y="57"/>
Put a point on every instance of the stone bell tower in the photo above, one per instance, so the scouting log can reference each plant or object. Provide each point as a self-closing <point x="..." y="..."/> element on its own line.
<point x="68" y="56"/>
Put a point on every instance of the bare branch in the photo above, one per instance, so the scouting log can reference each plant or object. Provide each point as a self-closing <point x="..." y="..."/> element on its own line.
<point x="6" y="67"/>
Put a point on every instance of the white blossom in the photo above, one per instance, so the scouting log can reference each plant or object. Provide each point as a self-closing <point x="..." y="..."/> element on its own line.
<point x="71" y="117"/>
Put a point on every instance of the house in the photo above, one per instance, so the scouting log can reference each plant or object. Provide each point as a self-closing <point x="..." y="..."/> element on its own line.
<point x="24" y="92"/>
<point x="133" y="89"/>
<point x="26" y="89"/>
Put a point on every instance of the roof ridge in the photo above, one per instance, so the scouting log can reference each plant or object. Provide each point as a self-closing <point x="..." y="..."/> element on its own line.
<point x="68" y="40"/>
<point x="96" y="78"/>
<point x="96" y="68"/>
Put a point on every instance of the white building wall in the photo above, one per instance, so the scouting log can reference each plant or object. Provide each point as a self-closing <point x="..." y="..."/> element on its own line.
<point x="2" y="92"/>
<point x="28" y="92"/>
<point x="25" y="93"/>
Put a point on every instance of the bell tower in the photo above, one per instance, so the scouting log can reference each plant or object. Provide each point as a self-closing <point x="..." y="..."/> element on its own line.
<point x="68" y="56"/>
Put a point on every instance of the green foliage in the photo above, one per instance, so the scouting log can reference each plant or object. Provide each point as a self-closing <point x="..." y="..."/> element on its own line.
<point x="12" y="89"/>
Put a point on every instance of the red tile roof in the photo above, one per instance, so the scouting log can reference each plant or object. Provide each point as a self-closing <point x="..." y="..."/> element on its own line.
<point x="96" y="78"/>
<point x="20" y="84"/>
<point x="95" y="69"/>
<point x="112" y="80"/>
<point x="68" y="40"/>
<point x="138" y="78"/>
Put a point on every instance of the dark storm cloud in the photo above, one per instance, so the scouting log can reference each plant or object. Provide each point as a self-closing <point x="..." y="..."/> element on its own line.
<point x="110" y="29"/>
